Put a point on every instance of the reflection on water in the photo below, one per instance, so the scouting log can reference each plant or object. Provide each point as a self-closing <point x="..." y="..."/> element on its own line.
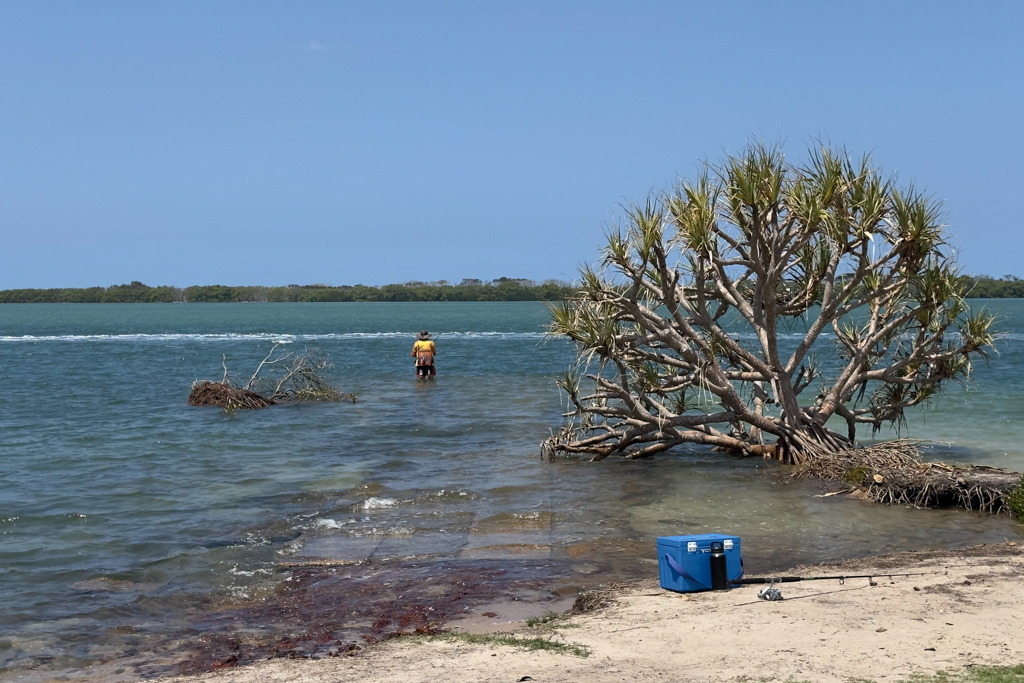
<point x="129" y="520"/>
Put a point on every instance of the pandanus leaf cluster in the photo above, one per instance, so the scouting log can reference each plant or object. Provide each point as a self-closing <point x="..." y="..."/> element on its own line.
<point x="768" y="308"/>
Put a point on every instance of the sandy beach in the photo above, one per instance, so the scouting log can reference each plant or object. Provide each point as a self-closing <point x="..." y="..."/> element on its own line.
<point x="965" y="614"/>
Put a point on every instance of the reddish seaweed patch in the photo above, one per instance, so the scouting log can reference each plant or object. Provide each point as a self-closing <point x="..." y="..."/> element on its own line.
<point x="337" y="611"/>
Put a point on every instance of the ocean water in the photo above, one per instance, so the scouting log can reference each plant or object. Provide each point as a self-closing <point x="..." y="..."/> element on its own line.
<point x="126" y="515"/>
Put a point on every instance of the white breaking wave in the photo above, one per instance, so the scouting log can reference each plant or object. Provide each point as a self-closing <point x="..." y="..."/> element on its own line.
<point x="279" y="338"/>
<point x="378" y="503"/>
<point x="327" y="523"/>
<point x="346" y="336"/>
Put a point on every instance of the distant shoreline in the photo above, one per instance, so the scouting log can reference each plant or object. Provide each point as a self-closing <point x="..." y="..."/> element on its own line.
<point x="502" y="289"/>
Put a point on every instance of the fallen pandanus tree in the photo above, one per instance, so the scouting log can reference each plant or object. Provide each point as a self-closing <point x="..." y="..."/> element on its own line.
<point x="678" y="328"/>
<point x="289" y="376"/>
<point x="893" y="472"/>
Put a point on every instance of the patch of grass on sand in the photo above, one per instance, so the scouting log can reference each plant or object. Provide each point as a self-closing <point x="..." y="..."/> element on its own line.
<point x="975" y="674"/>
<point x="549" y="619"/>
<point x="511" y="640"/>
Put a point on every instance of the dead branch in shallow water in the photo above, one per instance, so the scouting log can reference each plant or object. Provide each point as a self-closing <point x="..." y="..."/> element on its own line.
<point x="290" y="377"/>
<point x="894" y="473"/>
<point x="302" y="381"/>
<point x="223" y="395"/>
<point x="265" y="361"/>
<point x="299" y="378"/>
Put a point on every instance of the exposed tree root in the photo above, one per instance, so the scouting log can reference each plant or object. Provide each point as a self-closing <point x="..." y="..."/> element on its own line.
<point x="893" y="473"/>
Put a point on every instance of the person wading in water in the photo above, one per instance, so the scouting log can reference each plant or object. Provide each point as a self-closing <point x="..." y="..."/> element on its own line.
<point x="424" y="351"/>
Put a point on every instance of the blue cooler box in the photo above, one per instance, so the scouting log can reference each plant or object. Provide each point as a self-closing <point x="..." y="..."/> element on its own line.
<point x="684" y="562"/>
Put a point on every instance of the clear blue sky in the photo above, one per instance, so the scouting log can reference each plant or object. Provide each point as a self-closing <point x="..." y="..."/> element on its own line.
<point x="300" y="142"/>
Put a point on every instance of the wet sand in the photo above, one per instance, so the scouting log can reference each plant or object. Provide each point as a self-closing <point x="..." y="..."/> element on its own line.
<point x="967" y="613"/>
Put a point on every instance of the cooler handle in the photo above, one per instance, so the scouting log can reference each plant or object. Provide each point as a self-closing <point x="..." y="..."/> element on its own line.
<point x="686" y="575"/>
<point x="682" y="572"/>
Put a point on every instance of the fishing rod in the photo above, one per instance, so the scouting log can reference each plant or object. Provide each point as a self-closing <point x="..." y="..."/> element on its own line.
<point x="841" y="578"/>
<point x="771" y="593"/>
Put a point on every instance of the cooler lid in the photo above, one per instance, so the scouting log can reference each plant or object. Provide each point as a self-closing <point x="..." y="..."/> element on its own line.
<point x="700" y="539"/>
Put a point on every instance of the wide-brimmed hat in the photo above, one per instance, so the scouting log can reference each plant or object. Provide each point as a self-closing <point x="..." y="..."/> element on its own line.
<point x="423" y="335"/>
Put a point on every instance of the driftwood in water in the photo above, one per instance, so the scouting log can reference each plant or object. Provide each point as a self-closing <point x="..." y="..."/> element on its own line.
<point x="894" y="473"/>
<point x="291" y="377"/>
<point x="296" y="377"/>
<point x="223" y="395"/>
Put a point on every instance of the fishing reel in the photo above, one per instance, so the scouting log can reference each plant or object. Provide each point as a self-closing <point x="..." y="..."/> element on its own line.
<point x="771" y="593"/>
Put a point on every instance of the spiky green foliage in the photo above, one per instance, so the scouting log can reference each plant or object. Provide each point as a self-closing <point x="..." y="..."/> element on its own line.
<point x="1015" y="500"/>
<point x="678" y="325"/>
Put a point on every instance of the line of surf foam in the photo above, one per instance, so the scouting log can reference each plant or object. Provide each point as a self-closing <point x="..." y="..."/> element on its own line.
<point x="340" y="336"/>
<point x="283" y="338"/>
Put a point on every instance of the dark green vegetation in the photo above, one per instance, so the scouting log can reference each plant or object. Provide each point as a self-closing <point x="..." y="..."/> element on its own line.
<point x="134" y="293"/>
<point x="1006" y="287"/>
<point x="502" y="289"/>
<point x="1015" y="500"/>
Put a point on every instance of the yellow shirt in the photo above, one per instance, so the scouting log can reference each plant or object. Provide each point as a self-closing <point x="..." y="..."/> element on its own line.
<point x="424" y="345"/>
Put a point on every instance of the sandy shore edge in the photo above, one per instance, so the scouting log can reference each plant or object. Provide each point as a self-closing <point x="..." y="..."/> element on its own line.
<point x="970" y="612"/>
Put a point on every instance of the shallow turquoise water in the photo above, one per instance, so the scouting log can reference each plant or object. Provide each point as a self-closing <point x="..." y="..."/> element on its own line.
<point x="117" y="496"/>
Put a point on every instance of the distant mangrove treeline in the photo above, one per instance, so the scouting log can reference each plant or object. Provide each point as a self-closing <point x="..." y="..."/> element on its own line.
<point x="502" y="289"/>
<point x="1006" y="287"/>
